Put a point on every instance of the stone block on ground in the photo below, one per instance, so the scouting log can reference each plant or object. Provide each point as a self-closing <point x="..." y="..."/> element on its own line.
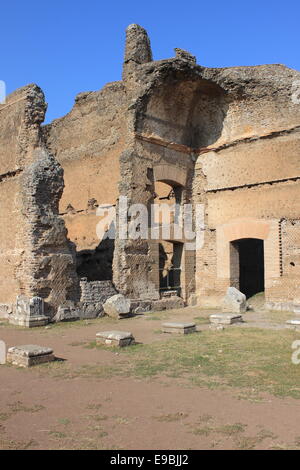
<point x="29" y="355"/>
<point x="178" y="328"/>
<point x="117" y="306"/>
<point x="293" y="324"/>
<point x="234" y="301"/>
<point x="225" y="318"/>
<point x="115" y="338"/>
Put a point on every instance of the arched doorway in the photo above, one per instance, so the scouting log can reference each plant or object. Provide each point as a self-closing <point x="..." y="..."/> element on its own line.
<point x="247" y="265"/>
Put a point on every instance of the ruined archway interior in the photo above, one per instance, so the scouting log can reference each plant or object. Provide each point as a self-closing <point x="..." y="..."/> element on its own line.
<point x="185" y="111"/>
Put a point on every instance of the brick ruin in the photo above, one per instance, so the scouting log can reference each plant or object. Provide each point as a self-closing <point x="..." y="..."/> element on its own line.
<point x="172" y="130"/>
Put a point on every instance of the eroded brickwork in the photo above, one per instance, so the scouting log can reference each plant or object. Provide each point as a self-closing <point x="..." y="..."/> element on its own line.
<point x="224" y="138"/>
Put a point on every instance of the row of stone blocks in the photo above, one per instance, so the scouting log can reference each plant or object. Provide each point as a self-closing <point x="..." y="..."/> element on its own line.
<point x="30" y="355"/>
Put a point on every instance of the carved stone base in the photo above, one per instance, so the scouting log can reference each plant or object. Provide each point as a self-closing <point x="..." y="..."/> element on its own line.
<point x="29" y="355"/>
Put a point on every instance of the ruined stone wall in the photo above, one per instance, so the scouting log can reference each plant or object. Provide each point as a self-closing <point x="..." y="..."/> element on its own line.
<point x="96" y="291"/>
<point x="36" y="258"/>
<point x="252" y="171"/>
<point x="88" y="143"/>
<point x="48" y="263"/>
<point x="20" y="119"/>
<point x="229" y="138"/>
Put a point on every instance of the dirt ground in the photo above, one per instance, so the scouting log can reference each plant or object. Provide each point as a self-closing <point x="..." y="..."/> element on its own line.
<point x="70" y="405"/>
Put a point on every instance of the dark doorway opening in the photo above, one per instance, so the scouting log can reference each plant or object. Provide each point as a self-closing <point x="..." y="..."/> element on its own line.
<point x="170" y="255"/>
<point x="251" y="265"/>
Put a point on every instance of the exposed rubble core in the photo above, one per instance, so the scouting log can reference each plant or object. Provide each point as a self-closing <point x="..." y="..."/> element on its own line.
<point x="170" y="131"/>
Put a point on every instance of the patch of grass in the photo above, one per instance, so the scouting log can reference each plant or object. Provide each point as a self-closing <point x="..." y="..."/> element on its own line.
<point x="250" y="442"/>
<point x="19" y="406"/>
<point x="64" y="421"/>
<point x="202" y="320"/>
<point x="231" y="429"/>
<point x="247" y="442"/>
<point x="94" y="406"/>
<point x="171" y="417"/>
<point x="122" y="420"/>
<point x="98" y="371"/>
<point x="252" y="358"/>
<point x="248" y="359"/>
<point x="278" y="317"/>
<point x="202" y="431"/>
<point x="227" y="430"/>
<point x="6" y="444"/>
<point x="205" y="418"/>
<point x="99" y="417"/>
<point x="77" y="343"/>
<point x="4" y="416"/>
<point x="57" y="434"/>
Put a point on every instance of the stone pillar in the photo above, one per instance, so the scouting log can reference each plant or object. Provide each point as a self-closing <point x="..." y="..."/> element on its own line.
<point x="137" y="49"/>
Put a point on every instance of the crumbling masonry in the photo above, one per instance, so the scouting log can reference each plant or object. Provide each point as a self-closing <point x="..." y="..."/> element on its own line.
<point x="171" y="130"/>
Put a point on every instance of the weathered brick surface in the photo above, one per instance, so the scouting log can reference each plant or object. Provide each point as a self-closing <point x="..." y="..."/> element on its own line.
<point x="228" y="138"/>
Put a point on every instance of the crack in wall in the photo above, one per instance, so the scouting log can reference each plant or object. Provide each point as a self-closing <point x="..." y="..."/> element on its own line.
<point x="10" y="174"/>
<point x="251" y="185"/>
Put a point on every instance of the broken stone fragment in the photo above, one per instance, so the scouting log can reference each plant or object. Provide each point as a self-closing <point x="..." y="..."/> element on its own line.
<point x="66" y="313"/>
<point x="115" y="338"/>
<point x="184" y="55"/>
<point x="117" y="306"/>
<point x="29" y="355"/>
<point x="234" y="301"/>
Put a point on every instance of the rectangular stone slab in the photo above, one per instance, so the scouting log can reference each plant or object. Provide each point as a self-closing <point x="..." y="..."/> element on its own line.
<point x="225" y="318"/>
<point x="115" y="338"/>
<point x="29" y="355"/>
<point x="178" y="328"/>
<point x="294" y="324"/>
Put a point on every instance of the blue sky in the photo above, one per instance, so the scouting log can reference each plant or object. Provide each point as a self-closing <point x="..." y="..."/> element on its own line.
<point x="71" y="46"/>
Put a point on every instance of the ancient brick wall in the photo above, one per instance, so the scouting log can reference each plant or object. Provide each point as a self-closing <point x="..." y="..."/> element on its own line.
<point x="96" y="291"/>
<point x="228" y="138"/>
<point x="37" y="259"/>
<point x="20" y="119"/>
<point x="252" y="171"/>
<point x="88" y="143"/>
